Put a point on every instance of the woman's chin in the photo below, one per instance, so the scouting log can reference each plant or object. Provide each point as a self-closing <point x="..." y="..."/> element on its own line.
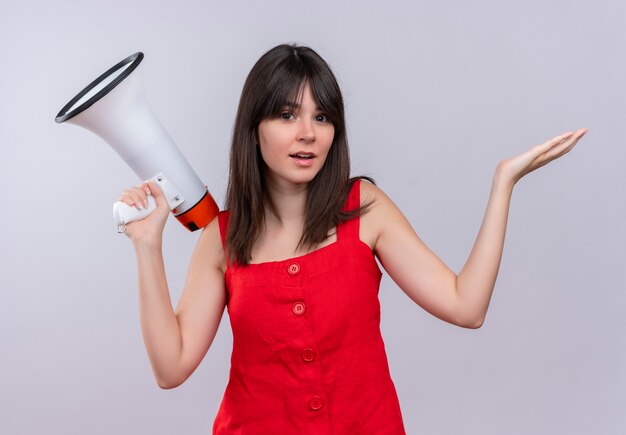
<point x="293" y="179"/>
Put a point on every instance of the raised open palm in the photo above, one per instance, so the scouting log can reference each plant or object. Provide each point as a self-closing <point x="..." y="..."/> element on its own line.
<point x="539" y="155"/>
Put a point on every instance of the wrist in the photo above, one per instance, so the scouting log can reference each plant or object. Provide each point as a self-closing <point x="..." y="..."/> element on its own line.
<point x="148" y="245"/>
<point x="503" y="180"/>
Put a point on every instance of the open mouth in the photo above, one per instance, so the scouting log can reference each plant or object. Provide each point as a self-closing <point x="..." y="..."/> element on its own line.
<point x="305" y="156"/>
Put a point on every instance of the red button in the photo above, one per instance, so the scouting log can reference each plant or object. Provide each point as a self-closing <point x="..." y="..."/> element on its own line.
<point x="308" y="355"/>
<point x="298" y="308"/>
<point x="315" y="403"/>
<point x="293" y="269"/>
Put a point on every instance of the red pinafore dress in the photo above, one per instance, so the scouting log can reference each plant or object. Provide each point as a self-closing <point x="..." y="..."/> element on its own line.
<point x="308" y="356"/>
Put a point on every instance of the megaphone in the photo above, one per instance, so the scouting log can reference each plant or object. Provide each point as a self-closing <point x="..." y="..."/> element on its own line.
<point x="115" y="108"/>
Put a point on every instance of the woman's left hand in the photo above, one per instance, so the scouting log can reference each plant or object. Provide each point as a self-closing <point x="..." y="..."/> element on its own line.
<point x="512" y="170"/>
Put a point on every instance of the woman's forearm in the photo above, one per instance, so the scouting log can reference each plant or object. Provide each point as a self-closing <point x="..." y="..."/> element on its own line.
<point x="159" y="325"/>
<point x="477" y="279"/>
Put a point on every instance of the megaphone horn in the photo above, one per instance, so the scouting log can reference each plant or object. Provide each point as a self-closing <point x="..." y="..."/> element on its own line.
<point x="115" y="108"/>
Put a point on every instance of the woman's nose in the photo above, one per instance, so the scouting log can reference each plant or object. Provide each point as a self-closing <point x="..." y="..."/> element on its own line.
<point x="306" y="133"/>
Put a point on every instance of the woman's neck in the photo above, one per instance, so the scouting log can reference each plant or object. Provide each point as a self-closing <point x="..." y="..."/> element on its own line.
<point x="285" y="204"/>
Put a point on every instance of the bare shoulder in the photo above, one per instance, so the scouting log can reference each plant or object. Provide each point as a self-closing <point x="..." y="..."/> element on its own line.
<point x="379" y="209"/>
<point x="369" y="191"/>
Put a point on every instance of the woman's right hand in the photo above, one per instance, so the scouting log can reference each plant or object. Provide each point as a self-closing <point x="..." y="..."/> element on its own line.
<point x="150" y="229"/>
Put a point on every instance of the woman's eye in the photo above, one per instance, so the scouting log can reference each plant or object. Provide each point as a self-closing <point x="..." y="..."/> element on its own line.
<point x="286" y="115"/>
<point x="321" y="118"/>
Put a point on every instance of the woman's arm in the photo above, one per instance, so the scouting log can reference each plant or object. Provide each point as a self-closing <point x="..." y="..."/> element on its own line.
<point x="176" y="341"/>
<point x="461" y="300"/>
<point x="416" y="269"/>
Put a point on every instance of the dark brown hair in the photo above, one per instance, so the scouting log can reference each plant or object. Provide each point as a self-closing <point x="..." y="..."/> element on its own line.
<point x="277" y="78"/>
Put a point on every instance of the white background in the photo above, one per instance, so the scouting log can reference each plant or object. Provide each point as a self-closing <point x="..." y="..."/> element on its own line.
<point x="437" y="93"/>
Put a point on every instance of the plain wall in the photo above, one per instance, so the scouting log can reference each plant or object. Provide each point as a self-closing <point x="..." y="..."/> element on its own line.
<point x="437" y="93"/>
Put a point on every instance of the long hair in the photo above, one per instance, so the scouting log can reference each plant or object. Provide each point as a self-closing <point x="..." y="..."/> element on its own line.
<point x="277" y="78"/>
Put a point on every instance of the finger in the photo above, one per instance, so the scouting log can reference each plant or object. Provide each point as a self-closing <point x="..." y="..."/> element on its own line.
<point x="161" y="200"/>
<point x="137" y="201"/>
<point x="557" y="151"/>
<point x="146" y="188"/>
<point x="154" y="189"/>
<point x="576" y="136"/>
<point x="556" y="147"/>
<point x="158" y="196"/>
<point x="127" y="198"/>
<point x="570" y="142"/>
<point x="569" y="137"/>
<point x="583" y="131"/>
<point x="132" y="198"/>
<point x="556" y="140"/>
<point x="141" y="195"/>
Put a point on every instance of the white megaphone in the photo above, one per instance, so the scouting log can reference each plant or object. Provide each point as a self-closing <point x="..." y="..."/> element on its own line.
<point x="115" y="108"/>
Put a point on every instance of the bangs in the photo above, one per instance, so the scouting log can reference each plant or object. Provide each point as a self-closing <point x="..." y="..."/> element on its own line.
<point x="286" y="88"/>
<point x="282" y="92"/>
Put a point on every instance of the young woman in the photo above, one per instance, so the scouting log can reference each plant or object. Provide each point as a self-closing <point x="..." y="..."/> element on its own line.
<point x="293" y="259"/>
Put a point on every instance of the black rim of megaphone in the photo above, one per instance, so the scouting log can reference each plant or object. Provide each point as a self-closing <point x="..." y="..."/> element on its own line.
<point x="64" y="115"/>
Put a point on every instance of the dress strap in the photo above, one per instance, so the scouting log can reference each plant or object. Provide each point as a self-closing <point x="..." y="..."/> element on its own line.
<point x="350" y="229"/>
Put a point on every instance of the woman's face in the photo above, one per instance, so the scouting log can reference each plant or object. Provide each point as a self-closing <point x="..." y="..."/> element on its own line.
<point x="294" y="146"/>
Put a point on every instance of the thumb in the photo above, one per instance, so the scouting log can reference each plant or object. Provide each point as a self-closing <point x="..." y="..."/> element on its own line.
<point x="157" y="193"/>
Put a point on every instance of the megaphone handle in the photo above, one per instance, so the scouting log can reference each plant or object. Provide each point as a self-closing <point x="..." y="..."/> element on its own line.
<point x="124" y="213"/>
